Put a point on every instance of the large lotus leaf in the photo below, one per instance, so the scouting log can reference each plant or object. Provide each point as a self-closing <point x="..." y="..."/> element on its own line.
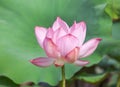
<point x="18" y="43"/>
<point x="116" y="30"/>
<point x="111" y="49"/>
<point x="92" y="78"/>
<point x="6" y="82"/>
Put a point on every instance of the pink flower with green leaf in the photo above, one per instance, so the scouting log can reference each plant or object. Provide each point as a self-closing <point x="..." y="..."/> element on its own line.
<point x="64" y="44"/>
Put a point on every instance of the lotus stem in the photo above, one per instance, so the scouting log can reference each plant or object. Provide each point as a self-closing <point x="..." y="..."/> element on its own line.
<point x="63" y="76"/>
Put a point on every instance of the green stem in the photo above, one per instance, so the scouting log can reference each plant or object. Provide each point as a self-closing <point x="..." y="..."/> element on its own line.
<point x="63" y="76"/>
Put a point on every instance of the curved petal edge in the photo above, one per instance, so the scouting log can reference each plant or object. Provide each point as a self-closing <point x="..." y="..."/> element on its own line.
<point x="40" y="33"/>
<point x="81" y="63"/>
<point x="89" y="47"/>
<point x="42" y="61"/>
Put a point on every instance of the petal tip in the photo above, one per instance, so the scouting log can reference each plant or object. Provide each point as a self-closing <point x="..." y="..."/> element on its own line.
<point x="83" y="25"/>
<point x="74" y="22"/>
<point x="98" y="39"/>
<point x="83" y="22"/>
<point x="81" y="63"/>
<point x="58" y="18"/>
<point x="31" y="61"/>
<point x="37" y="27"/>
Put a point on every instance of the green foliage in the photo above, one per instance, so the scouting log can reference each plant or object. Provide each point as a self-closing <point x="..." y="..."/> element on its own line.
<point x="18" y="43"/>
<point x="6" y="82"/>
<point x="92" y="78"/>
<point x="113" y="8"/>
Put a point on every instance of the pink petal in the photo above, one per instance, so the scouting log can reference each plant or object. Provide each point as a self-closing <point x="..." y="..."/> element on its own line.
<point x="40" y="33"/>
<point x="42" y="62"/>
<point x="60" y="23"/>
<point x="73" y="55"/>
<point x="79" y="30"/>
<point x="81" y="63"/>
<point x="50" y="48"/>
<point x="66" y="44"/>
<point x="50" y="33"/>
<point x="89" y="47"/>
<point x="58" y="33"/>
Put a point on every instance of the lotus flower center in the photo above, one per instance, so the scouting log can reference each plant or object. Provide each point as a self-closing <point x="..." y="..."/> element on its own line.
<point x="59" y="62"/>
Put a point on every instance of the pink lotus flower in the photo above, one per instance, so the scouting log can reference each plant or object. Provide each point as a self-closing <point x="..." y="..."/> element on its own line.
<point x="64" y="44"/>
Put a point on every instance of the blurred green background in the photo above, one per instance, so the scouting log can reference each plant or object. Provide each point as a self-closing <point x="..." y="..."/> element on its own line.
<point x="18" y="43"/>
